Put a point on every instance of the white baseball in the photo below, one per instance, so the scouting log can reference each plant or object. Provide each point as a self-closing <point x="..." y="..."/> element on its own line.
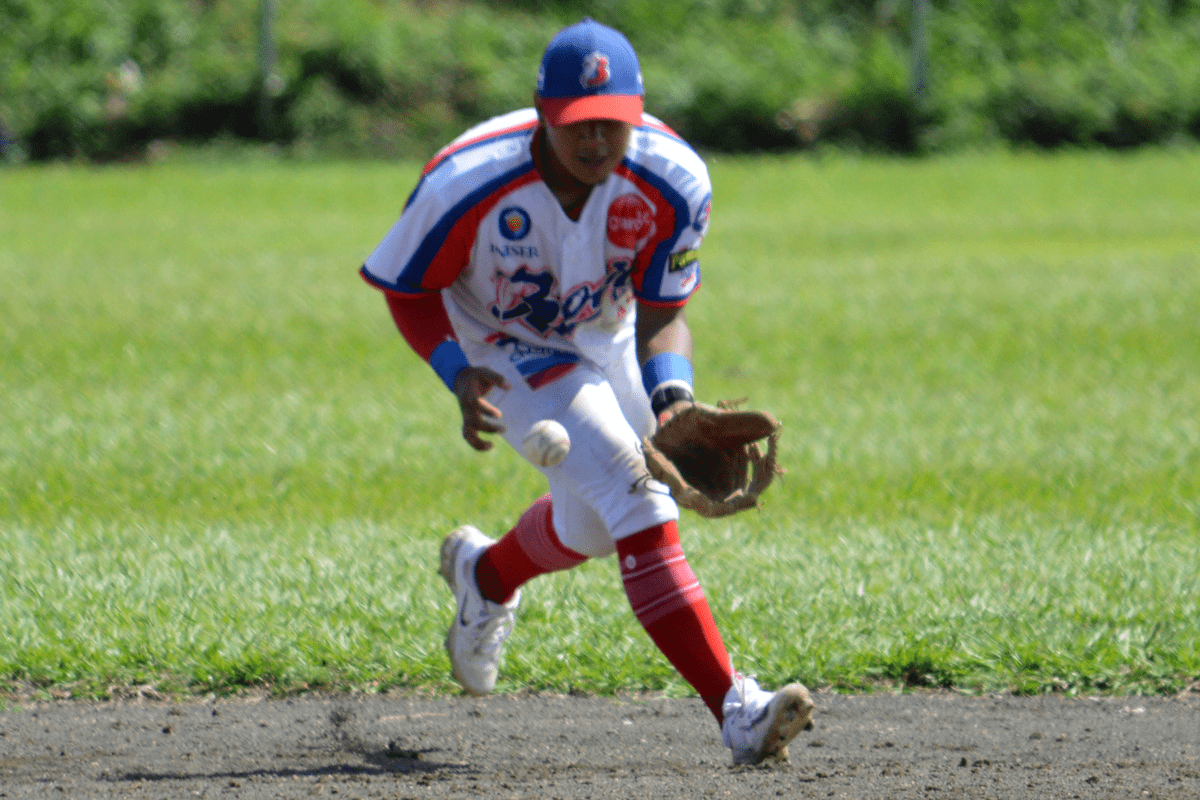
<point x="547" y="443"/>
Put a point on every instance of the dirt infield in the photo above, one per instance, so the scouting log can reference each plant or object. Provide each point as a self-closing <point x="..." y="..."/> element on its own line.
<point x="928" y="745"/>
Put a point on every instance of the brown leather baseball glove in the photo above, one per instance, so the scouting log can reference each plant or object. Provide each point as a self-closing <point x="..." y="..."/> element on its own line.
<point x="710" y="456"/>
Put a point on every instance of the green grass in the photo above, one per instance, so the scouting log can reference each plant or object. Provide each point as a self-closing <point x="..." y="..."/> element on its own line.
<point x="221" y="467"/>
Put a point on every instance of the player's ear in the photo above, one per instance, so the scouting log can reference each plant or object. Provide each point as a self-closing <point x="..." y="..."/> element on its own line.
<point x="537" y="104"/>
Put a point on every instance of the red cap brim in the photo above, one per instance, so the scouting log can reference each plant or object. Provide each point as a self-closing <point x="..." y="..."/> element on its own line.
<point x="567" y="110"/>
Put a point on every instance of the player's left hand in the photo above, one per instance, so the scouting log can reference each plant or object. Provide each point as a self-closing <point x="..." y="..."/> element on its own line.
<point x="479" y="416"/>
<point x="710" y="456"/>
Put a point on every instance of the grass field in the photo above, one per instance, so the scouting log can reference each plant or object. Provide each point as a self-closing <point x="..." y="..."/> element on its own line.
<point x="221" y="467"/>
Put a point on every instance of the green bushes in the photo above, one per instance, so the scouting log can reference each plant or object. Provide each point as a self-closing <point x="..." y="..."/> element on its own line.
<point x="1116" y="74"/>
<point x="100" y="79"/>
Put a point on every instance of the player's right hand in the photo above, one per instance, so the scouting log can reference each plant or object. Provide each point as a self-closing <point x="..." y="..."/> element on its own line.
<point x="479" y="416"/>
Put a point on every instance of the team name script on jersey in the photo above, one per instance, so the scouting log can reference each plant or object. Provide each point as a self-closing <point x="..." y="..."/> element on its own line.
<point x="534" y="299"/>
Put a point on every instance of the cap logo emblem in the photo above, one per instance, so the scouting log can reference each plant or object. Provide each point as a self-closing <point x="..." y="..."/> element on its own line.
<point x="595" y="70"/>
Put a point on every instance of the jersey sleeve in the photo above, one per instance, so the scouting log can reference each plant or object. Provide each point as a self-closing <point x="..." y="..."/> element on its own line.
<point x="666" y="270"/>
<point x="432" y="241"/>
<point x="418" y="255"/>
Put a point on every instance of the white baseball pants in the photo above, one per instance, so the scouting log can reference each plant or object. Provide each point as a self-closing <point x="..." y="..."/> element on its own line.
<point x="601" y="492"/>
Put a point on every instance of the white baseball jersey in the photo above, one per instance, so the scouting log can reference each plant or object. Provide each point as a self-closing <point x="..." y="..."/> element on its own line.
<point x="518" y="272"/>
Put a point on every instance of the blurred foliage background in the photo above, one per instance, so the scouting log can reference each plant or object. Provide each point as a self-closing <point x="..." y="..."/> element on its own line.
<point x="122" y="79"/>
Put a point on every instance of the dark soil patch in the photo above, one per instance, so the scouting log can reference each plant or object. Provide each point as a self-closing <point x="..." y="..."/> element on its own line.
<point x="926" y="745"/>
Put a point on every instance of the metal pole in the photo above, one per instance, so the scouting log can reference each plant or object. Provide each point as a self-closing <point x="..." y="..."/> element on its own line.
<point x="268" y="80"/>
<point x="920" y="51"/>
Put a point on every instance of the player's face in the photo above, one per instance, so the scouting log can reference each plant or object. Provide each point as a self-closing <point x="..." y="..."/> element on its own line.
<point x="589" y="151"/>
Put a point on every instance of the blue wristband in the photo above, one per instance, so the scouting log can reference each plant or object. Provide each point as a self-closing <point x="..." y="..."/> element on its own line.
<point x="666" y="369"/>
<point x="447" y="360"/>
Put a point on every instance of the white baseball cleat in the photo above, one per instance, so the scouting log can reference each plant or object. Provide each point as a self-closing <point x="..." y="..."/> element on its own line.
<point x="480" y="626"/>
<point x="759" y="724"/>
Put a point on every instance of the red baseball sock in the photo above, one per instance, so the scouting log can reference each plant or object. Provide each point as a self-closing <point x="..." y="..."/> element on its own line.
<point x="530" y="549"/>
<point x="668" y="601"/>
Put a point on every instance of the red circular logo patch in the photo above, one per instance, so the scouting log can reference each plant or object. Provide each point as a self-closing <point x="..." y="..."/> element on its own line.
<point x="630" y="221"/>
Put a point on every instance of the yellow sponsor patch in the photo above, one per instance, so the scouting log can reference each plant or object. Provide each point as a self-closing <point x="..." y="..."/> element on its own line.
<point x="678" y="261"/>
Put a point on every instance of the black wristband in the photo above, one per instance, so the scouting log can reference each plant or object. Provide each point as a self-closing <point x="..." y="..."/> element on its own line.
<point x="666" y="395"/>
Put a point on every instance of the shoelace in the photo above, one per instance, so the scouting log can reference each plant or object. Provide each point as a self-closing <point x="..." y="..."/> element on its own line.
<point x="739" y="683"/>
<point x="742" y="721"/>
<point x="493" y="628"/>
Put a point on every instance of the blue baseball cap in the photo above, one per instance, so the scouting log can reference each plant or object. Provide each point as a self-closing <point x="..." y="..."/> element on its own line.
<point x="590" y="71"/>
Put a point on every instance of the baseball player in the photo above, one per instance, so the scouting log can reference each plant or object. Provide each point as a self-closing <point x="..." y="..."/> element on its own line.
<point x="541" y="266"/>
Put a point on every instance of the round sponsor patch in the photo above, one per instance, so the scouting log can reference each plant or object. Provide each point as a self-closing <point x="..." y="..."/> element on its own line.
<point x="630" y="220"/>
<point x="514" y="223"/>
